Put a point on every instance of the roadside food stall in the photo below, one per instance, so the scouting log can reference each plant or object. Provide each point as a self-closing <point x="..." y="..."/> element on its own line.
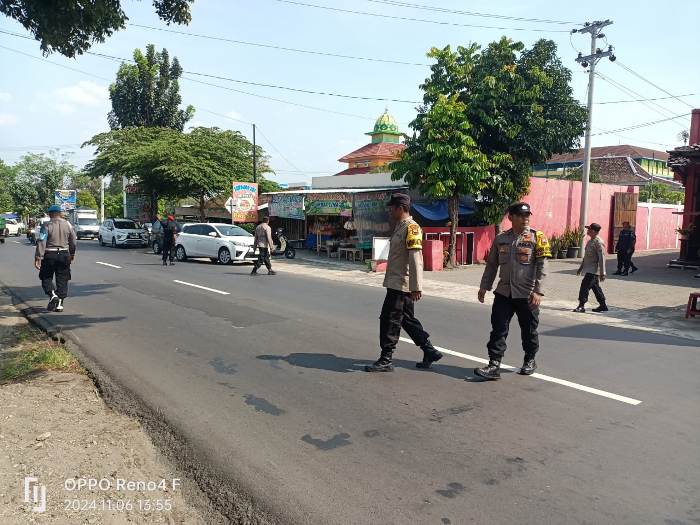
<point x="286" y="211"/>
<point x="327" y="214"/>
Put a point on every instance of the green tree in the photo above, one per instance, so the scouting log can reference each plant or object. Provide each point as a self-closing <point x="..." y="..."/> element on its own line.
<point x="517" y="109"/>
<point x="661" y="194"/>
<point x="114" y="205"/>
<point x="85" y="199"/>
<point x="37" y="177"/>
<point x="7" y="179"/>
<point x="70" y="27"/>
<point x="147" y="93"/>
<point x="200" y="164"/>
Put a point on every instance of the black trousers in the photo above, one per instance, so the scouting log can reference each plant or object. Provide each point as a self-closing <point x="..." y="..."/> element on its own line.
<point x="55" y="264"/>
<point x="501" y="314"/>
<point x="263" y="258"/>
<point x="591" y="282"/>
<point x="398" y="313"/>
<point x="624" y="260"/>
<point x="168" y="251"/>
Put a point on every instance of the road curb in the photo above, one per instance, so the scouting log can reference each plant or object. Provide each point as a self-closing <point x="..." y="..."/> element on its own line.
<point x="221" y="499"/>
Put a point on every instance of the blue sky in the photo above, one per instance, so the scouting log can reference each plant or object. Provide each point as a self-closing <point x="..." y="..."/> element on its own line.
<point x="44" y="106"/>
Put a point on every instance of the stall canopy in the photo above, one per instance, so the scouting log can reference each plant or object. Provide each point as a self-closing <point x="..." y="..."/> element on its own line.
<point x="9" y="216"/>
<point x="438" y="211"/>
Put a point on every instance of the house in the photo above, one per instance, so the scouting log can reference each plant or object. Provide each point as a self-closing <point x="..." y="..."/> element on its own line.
<point x="653" y="162"/>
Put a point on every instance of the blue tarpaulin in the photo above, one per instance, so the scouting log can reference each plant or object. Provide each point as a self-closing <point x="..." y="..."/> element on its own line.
<point x="438" y="211"/>
<point x="9" y="215"/>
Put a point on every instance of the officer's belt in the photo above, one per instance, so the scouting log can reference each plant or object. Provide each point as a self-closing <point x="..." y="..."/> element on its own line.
<point x="56" y="250"/>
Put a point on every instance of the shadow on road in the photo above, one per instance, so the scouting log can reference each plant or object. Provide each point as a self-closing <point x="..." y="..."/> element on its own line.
<point x="611" y="333"/>
<point x="333" y="363"/>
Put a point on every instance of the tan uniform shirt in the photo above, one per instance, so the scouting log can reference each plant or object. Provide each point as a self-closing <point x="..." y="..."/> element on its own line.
<point x="594" y="257"/>
<point x="404" y="269"/>
<point x="55" y="234"/>
<point x="522" y="261"/>
<point x="263" y="236"/>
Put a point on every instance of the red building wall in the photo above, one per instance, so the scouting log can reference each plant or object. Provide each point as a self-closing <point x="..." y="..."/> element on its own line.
<point x="662" y="231"/>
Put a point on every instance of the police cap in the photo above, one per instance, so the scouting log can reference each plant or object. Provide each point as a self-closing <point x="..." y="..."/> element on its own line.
<point x="399" y="199"/>
<point x="519" y="208"/>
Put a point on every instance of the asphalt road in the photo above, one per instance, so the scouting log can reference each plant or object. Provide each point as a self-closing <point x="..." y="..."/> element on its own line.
<point x="266" y="379"/>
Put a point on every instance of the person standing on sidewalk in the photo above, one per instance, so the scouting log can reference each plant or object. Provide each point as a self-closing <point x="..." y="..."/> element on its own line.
<point x="521" y="255"/>
<point x="403" y="282"/>
<point x="55" y="251"/>
<point x="625" y="249"/>
<point x="264" y="244"/>
<point x="593" y="270"/>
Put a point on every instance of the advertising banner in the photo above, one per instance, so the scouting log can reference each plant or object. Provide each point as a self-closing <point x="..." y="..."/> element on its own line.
<point x="336" y="203"/>
<point x="66" y="199"/>
<point x="370" y="216"/>
<point x="245" y="202"/>
<point x="287" y="206"/>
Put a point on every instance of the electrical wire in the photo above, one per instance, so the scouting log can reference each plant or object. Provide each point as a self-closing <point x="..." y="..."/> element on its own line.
<point x="642" y="125"/>
<point x="468" y="13"/>
<point x="278" y="47"/>
<point x="421" y="20"/>
<point x="632" y="71"/>
<point x="53" y="63"/>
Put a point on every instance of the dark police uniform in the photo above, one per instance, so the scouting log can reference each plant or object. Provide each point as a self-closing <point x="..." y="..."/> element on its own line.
<point x="625" y="249"/>
<point x="404" y="274"/>
<point x="55" y="247"/>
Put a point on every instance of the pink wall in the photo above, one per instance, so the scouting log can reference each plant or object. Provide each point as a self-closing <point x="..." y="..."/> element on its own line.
<point x="662" y="234"/>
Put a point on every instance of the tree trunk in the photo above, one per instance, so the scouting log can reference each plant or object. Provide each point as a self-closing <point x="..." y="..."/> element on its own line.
<point x="202" y="215"/>
<point x="154" y="205"/>
<point x="453" y="210"/>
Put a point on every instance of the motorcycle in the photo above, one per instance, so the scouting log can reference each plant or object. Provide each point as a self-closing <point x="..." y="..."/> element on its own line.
<point x="282" y="245"/>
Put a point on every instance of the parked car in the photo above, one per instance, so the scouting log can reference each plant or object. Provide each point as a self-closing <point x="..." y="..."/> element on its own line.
<point x="37" y="229"/>
<point x="121" y="232"/>
<point x="222" y="243"/>
<point x="3" y="230"/>
<point x="14" y="227"/>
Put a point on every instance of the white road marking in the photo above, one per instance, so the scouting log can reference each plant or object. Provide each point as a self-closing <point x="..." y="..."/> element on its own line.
<point x="107" y="264"/>
<point x="543" y="377"/>
<point x="16" y="242"/>
<point x="201" y="287"/>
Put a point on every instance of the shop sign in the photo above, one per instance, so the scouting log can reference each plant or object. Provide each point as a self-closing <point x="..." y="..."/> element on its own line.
<point x="329" y="204"/>
<point x="287" y="206"/>
<point x="245" y="202"/>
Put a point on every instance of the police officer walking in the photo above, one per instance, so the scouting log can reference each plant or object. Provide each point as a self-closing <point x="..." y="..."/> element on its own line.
<point x="170" y="228"/>
<point x="264" y="244"/>
<point x="593" y="270"/>
<point x="403" y="281"/>
<point x="625" y="249"/>
<point x="521" y="256"/>
<point x="55" y="251"/>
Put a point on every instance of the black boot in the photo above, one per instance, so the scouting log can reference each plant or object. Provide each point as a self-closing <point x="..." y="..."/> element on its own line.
<point x="491" y="371"/>
<point x="383" y="364"/>
<point x="529" y="366"/>
<point x="625" y="273"/>
<point x="430" y="355"/>
<point x="601" y="308"/>
<point x="634" y="268"/>
<point x="618" y="272"/>
<point x="165" y="263"/>
<point x="254" y="272"/>
<point x="580" y="309"/>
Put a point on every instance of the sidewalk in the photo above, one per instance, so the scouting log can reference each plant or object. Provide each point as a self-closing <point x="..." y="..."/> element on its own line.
<point x="653" y="299"/>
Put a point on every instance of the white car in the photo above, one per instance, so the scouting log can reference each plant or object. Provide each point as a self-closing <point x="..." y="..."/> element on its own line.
<point x="222" y="243"/>
<point x="121" y="232"/>
<point x="37" y="228"/>
<point x="14" y="227"/>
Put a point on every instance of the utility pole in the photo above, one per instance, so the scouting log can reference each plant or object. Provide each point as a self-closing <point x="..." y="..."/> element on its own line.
<point x="255" y="160"/>
<point x="594" y="29"/>
<point x="102" y="199"/>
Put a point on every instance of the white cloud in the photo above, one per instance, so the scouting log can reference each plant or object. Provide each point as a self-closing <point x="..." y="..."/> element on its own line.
<point x="84" y="94"/>
<point x="7" y="120"/>
<point x="5" y="97"/>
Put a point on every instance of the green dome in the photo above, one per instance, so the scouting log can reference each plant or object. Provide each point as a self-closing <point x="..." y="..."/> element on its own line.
<point x="386" y="124"/>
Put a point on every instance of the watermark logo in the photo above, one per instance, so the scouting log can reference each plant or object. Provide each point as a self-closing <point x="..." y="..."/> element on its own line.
<point x="35" y="494"/>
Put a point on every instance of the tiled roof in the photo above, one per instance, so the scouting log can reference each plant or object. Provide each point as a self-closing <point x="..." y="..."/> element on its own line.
<point x="381" y="149"/>
<point x="625" y="171"/>
<point x="634" y="152"/>
<point x="355" y="171"/>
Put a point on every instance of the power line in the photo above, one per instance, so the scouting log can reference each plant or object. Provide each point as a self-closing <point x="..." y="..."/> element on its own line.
<point x="52" y="63"/>
<point x="468" y="13"/>
<point x="278" y="151"/>
<point x="421" y="20"/>
<point x="645" y="99"/>
<point x="642" y="125"/>
<point x="251" y="83"/>
<point x="621" y="87"/>
<point x="630" y="70"/>
<point x="280" y="48"/>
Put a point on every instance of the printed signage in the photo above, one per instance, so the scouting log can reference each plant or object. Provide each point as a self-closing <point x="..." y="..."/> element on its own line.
<point x="66" y="199"/>
<point x="329" y="204"/>
<point x="245" y="202"/>
<point x="287" y="206"/>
